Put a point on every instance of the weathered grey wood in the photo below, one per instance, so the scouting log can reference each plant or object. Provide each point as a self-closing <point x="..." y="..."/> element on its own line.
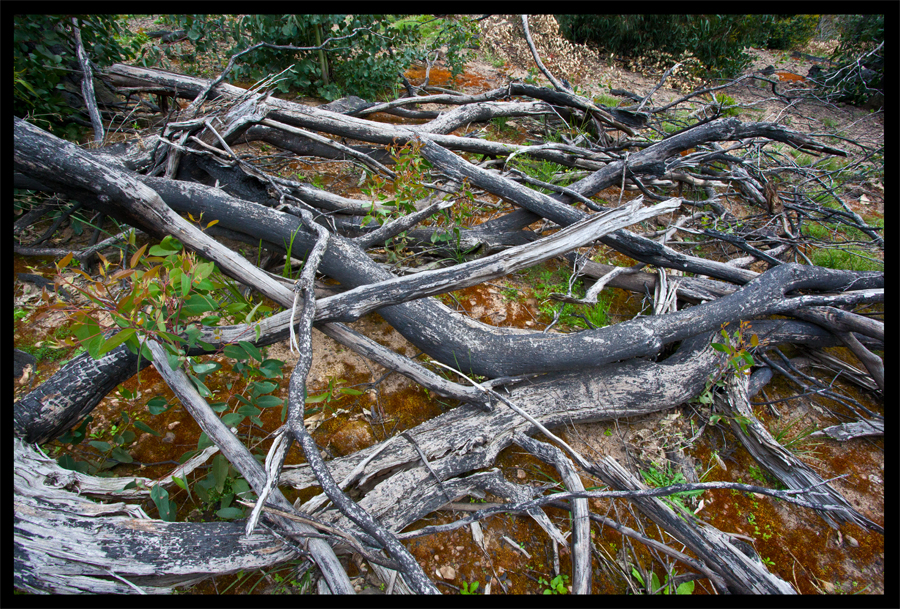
<point x="849" y="431"/>
<point x="87" y="83"/>
<point x="50" y="159"/>
<point x="540" y="64"/>
<point x="753" y="300"/>
<point x="581" y="549"/>
<point x="67" y="544"/>
<point x="354" y="303"/>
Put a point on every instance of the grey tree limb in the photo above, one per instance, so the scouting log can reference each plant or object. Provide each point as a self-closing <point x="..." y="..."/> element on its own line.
<point x="87" y="84"/>
<point x="581" y="550"/>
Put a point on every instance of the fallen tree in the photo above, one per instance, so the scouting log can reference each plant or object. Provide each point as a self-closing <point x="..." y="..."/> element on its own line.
<point x="597" y="374"/>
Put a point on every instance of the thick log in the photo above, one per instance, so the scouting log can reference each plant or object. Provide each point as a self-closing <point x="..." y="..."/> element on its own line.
<point x="67" y="544"/>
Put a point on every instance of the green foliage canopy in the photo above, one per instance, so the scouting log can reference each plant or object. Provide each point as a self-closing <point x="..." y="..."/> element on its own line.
<point x="366" y="57"/>
<point x="44" y="59"/>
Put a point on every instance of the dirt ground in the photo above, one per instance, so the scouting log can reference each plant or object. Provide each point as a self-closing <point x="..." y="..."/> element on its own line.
<point x="796" y="544"/>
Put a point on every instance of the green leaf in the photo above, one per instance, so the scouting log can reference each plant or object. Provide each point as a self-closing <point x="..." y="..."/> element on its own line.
<point x="721" y="348"/>
<point x="260" y="387"/>
<point x="249" y="411"/>
<point x="315" y="399"/>
<point x="185" y="284"/>
<point x="234" y="307"/>
<point x="203" y="441"/>
<point x="251" y="350"/>
<point x="203" y="270"/>
<point x="232" y="419"/>
<point x="685" y="588"/>
<point x="230" y="513"/>
<point x="637" y="575"/>
<point x="122" y="456"/>
<point x="173" y="360"/>
<point x="235" y="352"/>
<point x="202" y="389"/>
<point x="182" y="483"/>
<point x="197" y="304"/>
<point x="67" y="462"/>
<point x="268" y="401"/>
<point x="116" y="340"/>
<point x="158" y="405"/>
<point x="166" y="507"/>
<point x="218" y="406"/>
<point x="94" y="345"/>
<point x="101" y="446"/>
<point x="349" y="391"/>
<point x="168" y="245"/>
<point x="144" y="427"/>
<point x="271" y="368"/>
<point x="220" y="471"/>
<point x="240" y="486"/>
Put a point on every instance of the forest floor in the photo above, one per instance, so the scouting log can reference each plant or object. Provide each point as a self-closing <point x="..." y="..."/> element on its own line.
<point x="795" y="543"/>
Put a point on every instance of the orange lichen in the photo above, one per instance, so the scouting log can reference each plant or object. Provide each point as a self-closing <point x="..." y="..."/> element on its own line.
<point x="789" y="77"/>
<point x="439" y="77"/>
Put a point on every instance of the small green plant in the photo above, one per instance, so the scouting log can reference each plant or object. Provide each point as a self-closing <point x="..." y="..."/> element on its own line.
<point x="160" y="293"/>
<point x="557" y="585"/>
<point x="494" y="60"/>
<point x="666" y="588"/>
<point x="846" y="258"/>
<point x="331" y="393"/>
<point x="502" y="126"/>
<point x="727" y="103"/>
<point x="469" y="588"/>
<point x="659" y="477"/>
<point x="734" y="346"/>
<point x="793" y="437"/>
<point x="607" y="100"/>
<point x="545" y="281"/>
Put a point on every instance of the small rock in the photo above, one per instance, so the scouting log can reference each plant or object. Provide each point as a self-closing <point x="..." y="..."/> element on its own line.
<point x="447" y="572"/>
<point x="520" y="474"/>
<point x="829" y="587"/>
<point x="169" y="438"/>
<point x="852" y="542"/>
<point x="173" y="424"/>
<point x="460" y="548"/>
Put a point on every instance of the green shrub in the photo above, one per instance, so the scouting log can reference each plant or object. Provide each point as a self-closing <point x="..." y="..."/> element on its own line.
<point x="788" y="32"/>
<point x="364" y="64"/>
<point x="859" y="76"/>
<point x="44" y="60"/>
<point x="716" y="40"/>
